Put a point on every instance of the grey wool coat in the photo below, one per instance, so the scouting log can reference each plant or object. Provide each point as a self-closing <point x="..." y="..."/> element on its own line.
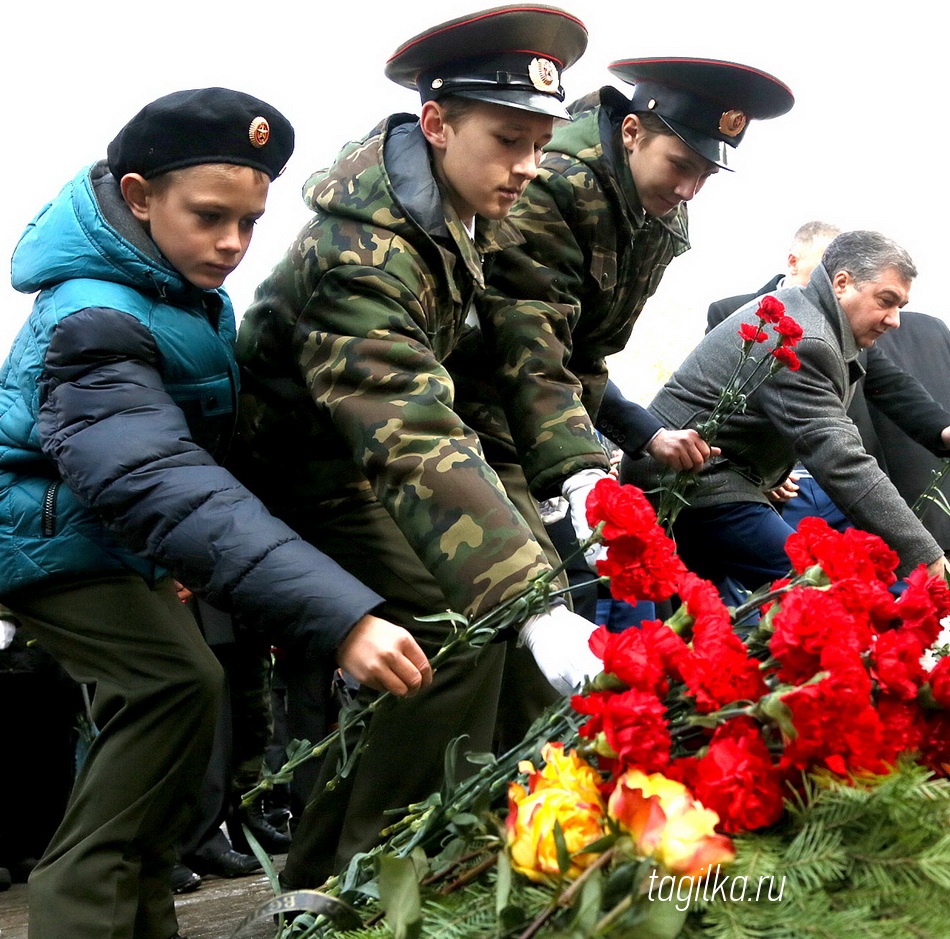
<point x="793" y="416"/>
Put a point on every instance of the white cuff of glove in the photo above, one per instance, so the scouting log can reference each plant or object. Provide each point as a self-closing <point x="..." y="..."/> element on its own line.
<point x="558" y="640"/>
<point x="7" y="632"/>
<point x="576" y="489"/>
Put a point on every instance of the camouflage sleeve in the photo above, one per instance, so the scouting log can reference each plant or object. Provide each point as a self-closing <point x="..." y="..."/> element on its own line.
<point x="367" y="357"/>
<point x="530" y="312"/>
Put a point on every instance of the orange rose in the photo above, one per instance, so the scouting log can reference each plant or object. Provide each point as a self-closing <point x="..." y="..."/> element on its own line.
<point x="665" y="822"/>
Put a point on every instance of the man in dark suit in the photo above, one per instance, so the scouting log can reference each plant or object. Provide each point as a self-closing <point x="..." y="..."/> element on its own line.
<point x="805" y="251"/>
<point x="922" y="348"/>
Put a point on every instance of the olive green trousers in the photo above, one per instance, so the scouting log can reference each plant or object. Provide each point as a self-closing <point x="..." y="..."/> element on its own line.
<point x="489" y="697"/>
<point x="157" y="689"/>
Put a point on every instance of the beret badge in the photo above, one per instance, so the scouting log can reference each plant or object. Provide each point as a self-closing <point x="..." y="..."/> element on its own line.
<point x="543" y="74"/>
<point x="732" y="123"/>
<point x="259" y="132"/>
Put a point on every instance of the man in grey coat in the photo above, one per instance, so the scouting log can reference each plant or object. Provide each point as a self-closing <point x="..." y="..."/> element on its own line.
<point x="729" y="527"/>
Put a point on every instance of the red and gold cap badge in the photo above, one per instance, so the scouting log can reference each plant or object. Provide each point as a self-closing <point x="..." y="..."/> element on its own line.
<point x="732" y="123"/>
<point x="259" y="132"/>
<point x="544" y="75"/>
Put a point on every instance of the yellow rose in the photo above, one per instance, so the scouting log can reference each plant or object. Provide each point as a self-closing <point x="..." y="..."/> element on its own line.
<point x="566" y="771"/>
<point x="530" y="825"/>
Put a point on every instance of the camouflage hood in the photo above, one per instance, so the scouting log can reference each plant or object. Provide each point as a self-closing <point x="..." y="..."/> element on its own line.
<point x="386" y="180"/>
<point x="593" y="138"/>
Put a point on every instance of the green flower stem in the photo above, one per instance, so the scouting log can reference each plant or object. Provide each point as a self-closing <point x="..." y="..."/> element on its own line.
<point x="470" y="875"/>
<point x="731" y="401"/>
<point x="933" y="493"/>
<point x="534" y="599"/>
<point x="612" y="915"/>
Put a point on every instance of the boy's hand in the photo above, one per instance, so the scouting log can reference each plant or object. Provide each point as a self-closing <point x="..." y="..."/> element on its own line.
<point x="385" y="657"/>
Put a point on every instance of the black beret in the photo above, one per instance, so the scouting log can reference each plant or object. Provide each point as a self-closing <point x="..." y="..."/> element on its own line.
<point x="203" y="125"/>
<point x="511" y="55"/>
<point x="707" y="103"/>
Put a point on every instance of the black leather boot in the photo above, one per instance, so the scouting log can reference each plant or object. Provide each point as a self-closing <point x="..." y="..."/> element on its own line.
<point x="183" y="879"/>
<point x="270" y="839"/>
<point x="229" y="863"/>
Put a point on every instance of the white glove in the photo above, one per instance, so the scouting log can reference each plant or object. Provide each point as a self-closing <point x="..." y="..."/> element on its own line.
<point x="7" y="632"/>
<point x="553" y="510"/>
<point x="558" y="641"/>
<point x="576" y="489"/>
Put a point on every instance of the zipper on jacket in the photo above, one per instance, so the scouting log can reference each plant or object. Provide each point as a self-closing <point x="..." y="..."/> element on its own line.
<point x="49" y="509"/>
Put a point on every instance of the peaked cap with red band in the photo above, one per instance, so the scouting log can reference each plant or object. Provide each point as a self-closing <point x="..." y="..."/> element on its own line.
<point x="707" y="103"/>
<point x="511" y="55"/>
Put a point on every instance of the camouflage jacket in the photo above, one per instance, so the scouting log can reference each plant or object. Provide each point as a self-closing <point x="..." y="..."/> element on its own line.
<point x="345" y="397"/>
<point x="570" y="295"/>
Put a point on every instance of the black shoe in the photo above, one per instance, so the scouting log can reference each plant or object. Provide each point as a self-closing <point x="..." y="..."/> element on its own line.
<point x="5" y="879"/>
<point x="275" y="804"/>
<point x="268" y="837"/>
<point x="279" y="817"/>
<point x="228" y="863"/>
<point x="183" y="880"/>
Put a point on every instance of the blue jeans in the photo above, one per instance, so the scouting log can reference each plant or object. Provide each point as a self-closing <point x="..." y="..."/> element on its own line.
<point x="617" y="615"/>
<point x="812" y="500"/>
<point x="743" y="541"/>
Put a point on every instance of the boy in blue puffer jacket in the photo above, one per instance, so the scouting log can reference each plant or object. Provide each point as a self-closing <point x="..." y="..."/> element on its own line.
<point x="116" y="400"/>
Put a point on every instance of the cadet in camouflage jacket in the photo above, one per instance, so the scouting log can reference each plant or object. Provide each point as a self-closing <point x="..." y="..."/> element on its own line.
<point x="602" y="222"/>
<point x="352" y="413"/>
<point x="591" y="259"/>
<point x="357" y="320"/>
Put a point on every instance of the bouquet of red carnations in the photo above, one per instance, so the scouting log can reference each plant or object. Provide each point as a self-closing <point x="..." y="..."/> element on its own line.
<point x="832" y="675"/>
<point x="694" y="734"/>
<point x="773" y="770"/>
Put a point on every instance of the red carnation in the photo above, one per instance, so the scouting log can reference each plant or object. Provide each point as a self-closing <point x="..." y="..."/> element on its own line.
<point x="633" y="724"/>
<point x="770" y="309"/>
<point x="935" y="743"/>
<point x="669" y="646"/>
<point x="835" y="723"/>
<point x="785" y="356"/>
<point x="923" y="604"/>
<point x="939" y="680"/>
<point x="737" y="778"/>
<point x="641" y="560"/>
<point x="625" y="510"/>
<point x="789" y="330"/>
<point x="905" y="725"/>
<point x="896" y="663"/>
<point x="646" y="569"/>
<point x="851" y="553"/>
<point x="636" y="730"/>
<point x="704" y="605"/>
<point x="723" y="677"/>
<point x="630" y="657"/>
<point x="808" y="621"/>
<point x="871" y="602"/>
<point x="749" y="332"/>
